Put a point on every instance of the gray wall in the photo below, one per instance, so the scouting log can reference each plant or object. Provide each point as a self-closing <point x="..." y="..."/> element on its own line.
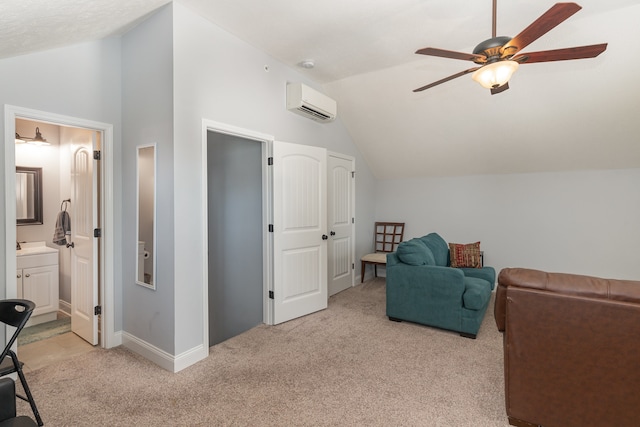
<point x="147" y="110"/>
<point x="234" y="188"/>
<point x="574" y="222"/>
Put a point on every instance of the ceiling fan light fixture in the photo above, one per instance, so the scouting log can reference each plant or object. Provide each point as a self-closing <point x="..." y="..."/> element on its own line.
<point x="495" y="74"/>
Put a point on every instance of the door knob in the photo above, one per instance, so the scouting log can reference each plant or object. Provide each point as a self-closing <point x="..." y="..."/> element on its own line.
<point x="325" y="237"/>
<point x="333" y="233"/>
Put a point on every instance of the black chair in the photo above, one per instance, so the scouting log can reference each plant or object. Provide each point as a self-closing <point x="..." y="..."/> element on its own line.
<point x="16" y="313"/>
<point x="8" y="415"/>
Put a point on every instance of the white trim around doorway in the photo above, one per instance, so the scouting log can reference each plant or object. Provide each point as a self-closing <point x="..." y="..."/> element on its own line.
<point x="108" y="337"/>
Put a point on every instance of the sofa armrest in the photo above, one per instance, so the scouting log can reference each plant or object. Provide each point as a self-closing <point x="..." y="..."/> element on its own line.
<point x="485" y="273"/>
<point x="443" y="280"/>
<point x="500" y="307"/>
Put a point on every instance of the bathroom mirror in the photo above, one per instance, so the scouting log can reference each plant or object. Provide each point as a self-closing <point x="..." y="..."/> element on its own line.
<point x="28" y="195"/>
<point x="146" y="217"/>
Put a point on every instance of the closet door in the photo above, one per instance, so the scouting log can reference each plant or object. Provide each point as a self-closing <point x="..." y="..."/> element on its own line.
<point x="340" y="206"/>
<point x="300" y="230"/>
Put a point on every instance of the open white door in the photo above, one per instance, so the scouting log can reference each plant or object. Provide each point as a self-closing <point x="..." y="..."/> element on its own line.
<point x="300" y="230"/>
<point x="84" y="219"/>
<point x="340" y="219"/>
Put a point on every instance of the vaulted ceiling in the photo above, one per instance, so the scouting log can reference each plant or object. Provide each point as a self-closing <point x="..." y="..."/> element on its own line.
<point x="556" y="116"/>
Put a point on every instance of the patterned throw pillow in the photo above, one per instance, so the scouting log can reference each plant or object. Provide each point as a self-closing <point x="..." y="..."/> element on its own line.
<point x="465" y="255"/>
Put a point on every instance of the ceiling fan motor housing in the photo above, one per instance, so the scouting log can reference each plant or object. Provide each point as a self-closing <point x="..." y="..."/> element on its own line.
<point x="491" y="49"/>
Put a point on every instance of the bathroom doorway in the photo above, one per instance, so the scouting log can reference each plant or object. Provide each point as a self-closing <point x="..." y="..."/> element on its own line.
<point x="58" y="286"/>
<point x="58" y="193"/>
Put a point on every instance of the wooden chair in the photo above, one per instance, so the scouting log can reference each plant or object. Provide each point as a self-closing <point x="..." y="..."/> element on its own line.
<point x="388" y="236"/>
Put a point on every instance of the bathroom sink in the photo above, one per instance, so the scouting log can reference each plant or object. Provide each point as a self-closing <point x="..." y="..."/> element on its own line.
<point x="34" y="248"/>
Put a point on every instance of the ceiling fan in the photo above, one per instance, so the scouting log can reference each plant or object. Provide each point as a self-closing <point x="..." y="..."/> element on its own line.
<point x="498" y="57"/>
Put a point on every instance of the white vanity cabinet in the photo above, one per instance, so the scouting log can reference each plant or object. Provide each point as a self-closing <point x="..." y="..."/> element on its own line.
<point x="37" y="281"/>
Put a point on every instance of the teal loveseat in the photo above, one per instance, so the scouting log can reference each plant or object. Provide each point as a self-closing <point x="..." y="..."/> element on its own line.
<point x="423" y="288"/>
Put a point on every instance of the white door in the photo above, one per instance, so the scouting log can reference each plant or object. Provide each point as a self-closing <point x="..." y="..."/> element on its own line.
<point x="340" y="219"/>
<point x="84" y="219"/>
<point x="300" y="230"/>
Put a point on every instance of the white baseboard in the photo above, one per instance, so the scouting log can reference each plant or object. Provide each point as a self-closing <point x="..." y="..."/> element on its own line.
<point x="64" y="307"/>
<point x="190" y="357"/>
<point x="162" y="358"/>
<point x="116" y="340"/>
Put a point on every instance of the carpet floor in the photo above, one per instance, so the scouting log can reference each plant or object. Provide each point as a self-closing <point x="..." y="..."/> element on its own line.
<point x="347" y="365"/>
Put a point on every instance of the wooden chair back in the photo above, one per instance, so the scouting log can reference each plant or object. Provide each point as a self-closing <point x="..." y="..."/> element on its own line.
<point x="388" y="236"/>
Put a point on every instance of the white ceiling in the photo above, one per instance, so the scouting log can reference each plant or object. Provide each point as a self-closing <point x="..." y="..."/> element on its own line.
<point x="557" y="116"/>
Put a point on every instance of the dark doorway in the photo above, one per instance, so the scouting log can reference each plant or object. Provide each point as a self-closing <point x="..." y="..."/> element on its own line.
<point x="235" y="260"/>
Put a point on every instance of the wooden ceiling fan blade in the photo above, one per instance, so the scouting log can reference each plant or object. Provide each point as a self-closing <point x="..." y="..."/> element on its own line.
<point x="446" y="79"/>
<point x="580" y="52"/>
<point x="432" y="51"/>
<point x="557" y="14"/>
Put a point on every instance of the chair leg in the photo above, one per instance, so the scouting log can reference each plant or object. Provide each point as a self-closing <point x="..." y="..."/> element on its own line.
<point x="362" y="265"/>
<point x="25" y="387"/>
<point x="375" y="270"/>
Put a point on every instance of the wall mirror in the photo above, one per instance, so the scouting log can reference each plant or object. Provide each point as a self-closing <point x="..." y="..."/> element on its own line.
<point x="28" y="195"/>
<point x="146" y="217"/>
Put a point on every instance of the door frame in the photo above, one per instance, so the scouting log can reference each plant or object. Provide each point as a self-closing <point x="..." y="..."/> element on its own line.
<point x="353" y="209"/>
<point x="267" y="256"/>
<point x="106" y="284"/>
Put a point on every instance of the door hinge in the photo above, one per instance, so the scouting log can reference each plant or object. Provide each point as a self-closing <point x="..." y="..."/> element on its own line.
<point x="97" y="310"/>
<point x="353" y="220"/>
<point x="96" y="155"/>
<point x="270" y="294"/>
<point x="270" y="228"/>
<point x="353" y="266"/>
<point x="270" y="161"/>
<point x="97" y="232"/>
<point x="353" y="174"/>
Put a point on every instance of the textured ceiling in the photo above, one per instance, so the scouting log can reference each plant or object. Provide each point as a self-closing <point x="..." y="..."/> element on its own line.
<point x="557" y="116"/>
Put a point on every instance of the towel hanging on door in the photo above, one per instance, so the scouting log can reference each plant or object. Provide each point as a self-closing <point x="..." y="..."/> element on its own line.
<point x="63" y="226"/>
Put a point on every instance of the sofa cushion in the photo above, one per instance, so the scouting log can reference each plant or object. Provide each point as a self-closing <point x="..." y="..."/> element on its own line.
<point x="415" y="252"/>
<point x="438" y="247"/>
<point x="465" y="255"/>
<point x="477" y="293"/>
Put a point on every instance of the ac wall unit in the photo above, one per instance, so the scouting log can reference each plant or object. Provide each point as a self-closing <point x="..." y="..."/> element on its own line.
<point x="303" y="100"/>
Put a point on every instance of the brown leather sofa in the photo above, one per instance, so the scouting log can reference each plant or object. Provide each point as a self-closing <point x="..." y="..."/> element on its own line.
<point x="571" y="349"/>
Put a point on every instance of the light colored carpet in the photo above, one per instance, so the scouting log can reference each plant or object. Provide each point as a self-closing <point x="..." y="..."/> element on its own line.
<point x="344" y="366"/>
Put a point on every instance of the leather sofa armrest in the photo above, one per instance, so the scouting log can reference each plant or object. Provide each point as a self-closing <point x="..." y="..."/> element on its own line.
<point x="500" y="307"/>
<point x="519" y="277"/>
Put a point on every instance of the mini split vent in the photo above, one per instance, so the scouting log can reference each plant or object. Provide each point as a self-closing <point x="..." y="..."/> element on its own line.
<point x="307" y="102"/>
